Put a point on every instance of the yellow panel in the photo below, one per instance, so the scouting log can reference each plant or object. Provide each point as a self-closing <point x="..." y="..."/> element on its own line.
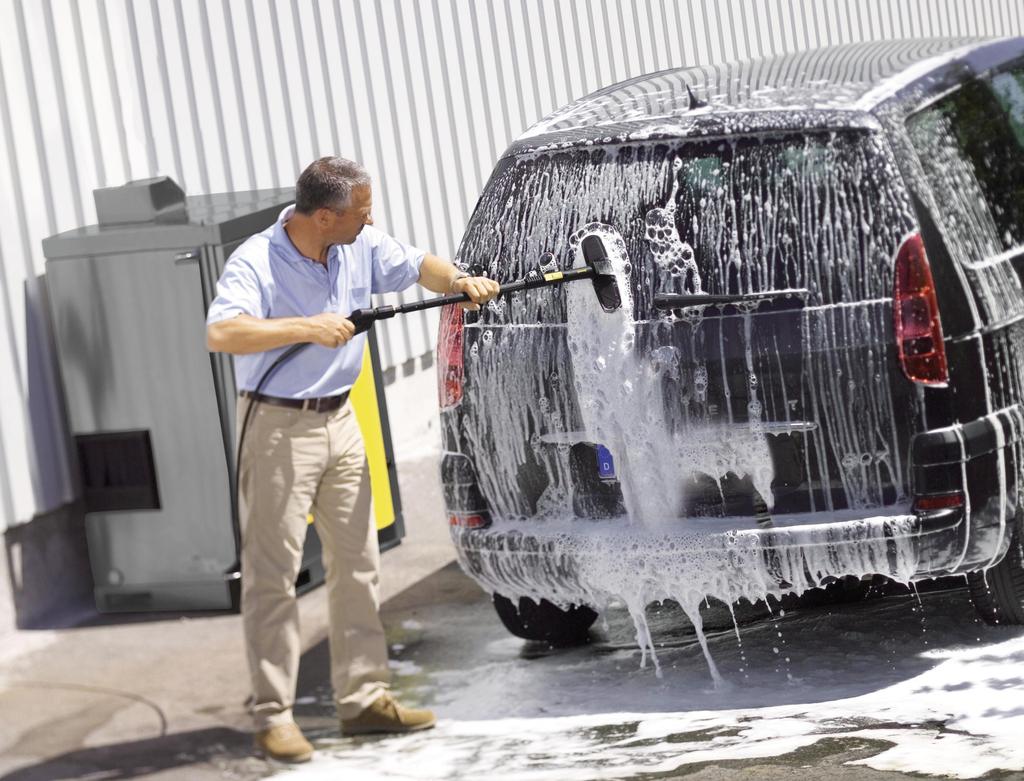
<point x="364" y="403"/>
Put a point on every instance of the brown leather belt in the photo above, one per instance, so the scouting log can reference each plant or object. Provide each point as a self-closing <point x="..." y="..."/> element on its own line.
<point x="323" y="404"/>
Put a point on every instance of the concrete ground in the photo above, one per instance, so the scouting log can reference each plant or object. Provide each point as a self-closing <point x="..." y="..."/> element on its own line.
<point x="165" y="699"/>
<point x="163" y="696"/>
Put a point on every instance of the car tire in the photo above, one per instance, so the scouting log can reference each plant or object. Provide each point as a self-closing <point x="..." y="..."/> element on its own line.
<point x="544" y="621"/>
<point x="998" y="594"/>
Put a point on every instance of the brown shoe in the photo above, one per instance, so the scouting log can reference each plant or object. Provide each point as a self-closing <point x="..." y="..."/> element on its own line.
<point x="386" y="715"/>
<point x="285" y="743"/>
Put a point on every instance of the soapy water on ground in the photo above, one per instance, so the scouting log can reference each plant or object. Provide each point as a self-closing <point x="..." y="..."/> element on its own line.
<point x="917" y="686"/>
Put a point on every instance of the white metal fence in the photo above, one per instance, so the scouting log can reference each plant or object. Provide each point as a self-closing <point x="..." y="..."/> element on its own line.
<point x="241" y="94"/>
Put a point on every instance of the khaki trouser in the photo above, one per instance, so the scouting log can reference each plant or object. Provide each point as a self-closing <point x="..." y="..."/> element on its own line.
<point x="296" y="462"/>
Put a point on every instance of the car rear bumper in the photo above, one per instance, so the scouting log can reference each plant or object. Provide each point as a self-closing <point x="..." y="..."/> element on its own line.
<point x="979" y="460"/>
<point x="590" y="563"/>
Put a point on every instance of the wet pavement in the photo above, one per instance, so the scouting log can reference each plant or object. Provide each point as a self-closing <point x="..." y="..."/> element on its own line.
<point x="875" y="688"/>
<point x="162" y="696"/>
<point x="867" y="689"/>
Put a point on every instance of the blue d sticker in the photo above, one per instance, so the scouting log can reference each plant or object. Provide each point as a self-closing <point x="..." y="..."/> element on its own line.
<point x="605" y="463"/>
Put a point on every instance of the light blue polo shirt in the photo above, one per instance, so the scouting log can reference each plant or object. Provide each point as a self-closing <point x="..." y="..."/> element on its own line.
<point x="268" y="277"/>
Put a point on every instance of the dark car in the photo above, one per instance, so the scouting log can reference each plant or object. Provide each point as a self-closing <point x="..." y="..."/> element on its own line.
<point x="817" y="367"/>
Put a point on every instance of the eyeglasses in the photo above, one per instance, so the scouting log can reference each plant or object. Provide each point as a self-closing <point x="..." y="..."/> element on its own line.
<point x="342" y="212"/>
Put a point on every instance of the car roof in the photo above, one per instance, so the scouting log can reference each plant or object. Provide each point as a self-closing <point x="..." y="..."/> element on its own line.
<point x="824" y="87"/>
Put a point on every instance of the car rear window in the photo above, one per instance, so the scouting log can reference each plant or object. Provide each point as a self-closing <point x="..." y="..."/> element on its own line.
<point x="822" y="211"/>
<point x="775" y="214"/>
<point x="971" y="148"/>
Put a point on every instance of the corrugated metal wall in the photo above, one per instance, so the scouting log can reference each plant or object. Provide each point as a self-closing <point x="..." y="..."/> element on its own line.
<point x="234" y="94"/>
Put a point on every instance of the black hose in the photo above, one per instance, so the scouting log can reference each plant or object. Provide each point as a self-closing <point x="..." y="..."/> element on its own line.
<point x="236" y="487"/>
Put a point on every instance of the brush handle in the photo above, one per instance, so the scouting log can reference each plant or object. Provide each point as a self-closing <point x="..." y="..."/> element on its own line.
<point x="362" y="319"/>
<point x="551" y="278"/>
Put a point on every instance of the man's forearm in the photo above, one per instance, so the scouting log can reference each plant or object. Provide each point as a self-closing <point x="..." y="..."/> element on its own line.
<point x="437" y="274"/>
<point x="245" y="334"/>
<point x="441" y="276"/>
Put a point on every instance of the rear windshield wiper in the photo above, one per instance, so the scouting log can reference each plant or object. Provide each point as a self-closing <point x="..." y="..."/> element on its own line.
<point x="684" y="300"/>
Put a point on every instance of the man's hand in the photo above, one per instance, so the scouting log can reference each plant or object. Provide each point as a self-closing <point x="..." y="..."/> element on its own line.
<point x="442" y="276"/>
<point x="330" y="330"/>
<point x="480" y="290"/>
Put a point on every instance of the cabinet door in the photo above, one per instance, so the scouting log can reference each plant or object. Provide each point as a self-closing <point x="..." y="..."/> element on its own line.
<point x="130" y="330"/>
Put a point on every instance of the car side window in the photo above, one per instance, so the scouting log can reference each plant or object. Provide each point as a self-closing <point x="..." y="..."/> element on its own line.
<point x="971" y="148"/>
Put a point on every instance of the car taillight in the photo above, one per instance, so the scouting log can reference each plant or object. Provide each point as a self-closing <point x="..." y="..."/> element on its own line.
<point x="916" y="312"/>
<point x="470" y="520"/>
<point x="938" y="502"/>
<point x="449" y="357"/>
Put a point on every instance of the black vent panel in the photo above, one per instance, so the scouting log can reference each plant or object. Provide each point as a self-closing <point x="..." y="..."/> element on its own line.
<point x="118" y="471"/>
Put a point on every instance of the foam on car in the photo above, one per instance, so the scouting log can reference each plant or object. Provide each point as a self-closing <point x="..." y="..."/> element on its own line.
<point x="531" y="208"/>
<point x="620" y="398"/>
<point x="524" y="352"/>
<point x="565" y="564"/>
<point x="620" y="402"/>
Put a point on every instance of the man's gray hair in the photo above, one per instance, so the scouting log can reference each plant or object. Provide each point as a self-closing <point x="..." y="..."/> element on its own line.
<point x="328" y="184"/>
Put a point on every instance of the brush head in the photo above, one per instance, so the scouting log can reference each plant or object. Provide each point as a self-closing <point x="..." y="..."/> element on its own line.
<point x="605" y="284"/>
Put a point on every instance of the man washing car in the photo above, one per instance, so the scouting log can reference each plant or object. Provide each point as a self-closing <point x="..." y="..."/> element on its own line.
<point x="293" y="283"/>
